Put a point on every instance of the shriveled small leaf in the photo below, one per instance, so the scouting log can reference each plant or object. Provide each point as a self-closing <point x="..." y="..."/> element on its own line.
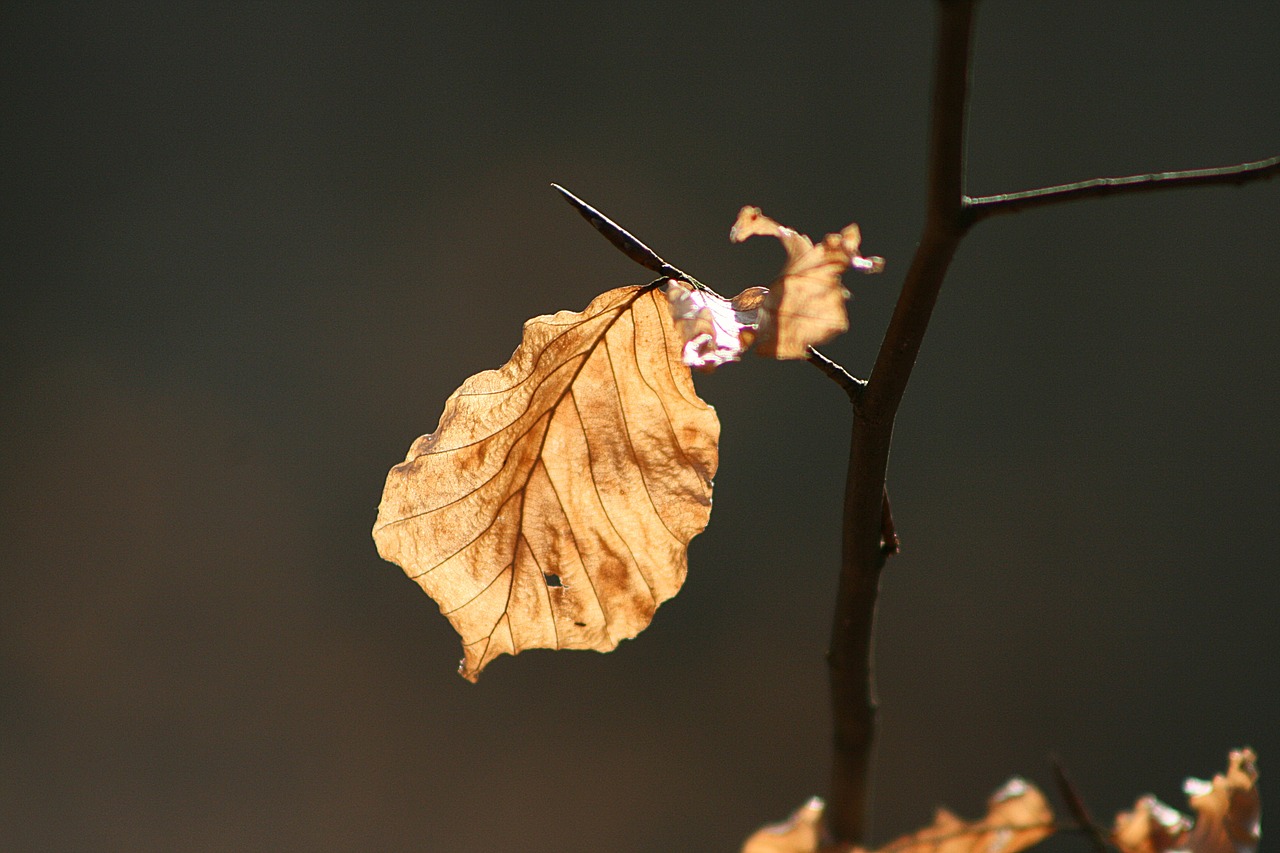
<point x="805" y="305"/>
<point x="715" y="330"/>
<point x="553" y="505"/>
<point x="1228" y="815"/>
<point x="1018" y="816"/>
<point x="1228" y="809"/>
<point x="1151" y="827"/>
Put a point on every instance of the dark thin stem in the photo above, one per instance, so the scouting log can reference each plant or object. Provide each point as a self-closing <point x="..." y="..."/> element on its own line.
<point x="853" y="699"/>
<point x="977" y="209"/>
<point x="1075" y="804"/>
<point x="851" y="384"/>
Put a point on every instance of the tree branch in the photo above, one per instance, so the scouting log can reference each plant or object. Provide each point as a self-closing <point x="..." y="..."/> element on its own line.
<point x="853" y="701"/>
<point x="867" y="530"/>
<point x="977" y="209"/>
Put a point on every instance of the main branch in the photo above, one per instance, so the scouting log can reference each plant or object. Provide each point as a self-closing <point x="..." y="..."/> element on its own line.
<point x="853" y="701"/>
<point x="868" y="528"/>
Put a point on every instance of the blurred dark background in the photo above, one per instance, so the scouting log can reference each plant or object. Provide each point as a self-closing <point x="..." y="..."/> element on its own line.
<point x="249" y="249"/>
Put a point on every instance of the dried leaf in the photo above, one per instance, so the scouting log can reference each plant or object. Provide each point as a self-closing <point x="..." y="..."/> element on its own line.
<point x="1018" y="816"/>
<point x="799" y="833"/>
<point x="715" y="330"/>
<point x="553" y="505"/>
<point x="1151" y="827"/>
<point x="1228" y="809"/>
<point x="1228" y="815"/>
<point x="805" y="306"/>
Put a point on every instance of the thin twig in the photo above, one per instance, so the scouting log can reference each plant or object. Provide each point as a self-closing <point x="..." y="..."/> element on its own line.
<point x="851" y="384"/>
<point x="853" y="700"/>
<point x="977" y="209"/>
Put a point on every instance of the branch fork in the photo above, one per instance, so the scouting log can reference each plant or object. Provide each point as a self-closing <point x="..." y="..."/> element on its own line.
<point x="869" y="537"/>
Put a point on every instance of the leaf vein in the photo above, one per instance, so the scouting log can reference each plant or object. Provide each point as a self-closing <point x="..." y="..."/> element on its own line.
<point x="476" y="538"/>
<point x="591" y="470"/>
<point x="626" y="431"/>
<point x="568" y="525"/>
<point x="545" y="589"/>
<point x="662" y="404"/>
<point x="481" y="592"/>
<point x="568" y="327"/>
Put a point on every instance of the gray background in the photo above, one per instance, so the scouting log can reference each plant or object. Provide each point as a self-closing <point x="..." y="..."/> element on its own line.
<point x="250" y="249"/>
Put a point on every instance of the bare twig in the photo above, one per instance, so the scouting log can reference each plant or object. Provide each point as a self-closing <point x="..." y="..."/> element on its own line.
<point x="977" y="209"/>
<point x="863" y="555"/>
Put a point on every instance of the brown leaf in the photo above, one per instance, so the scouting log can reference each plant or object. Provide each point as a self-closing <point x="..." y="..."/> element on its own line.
<point x="805" y="306"/>
<point x="799" y="833"/>
<point x="1151" y="827"/>
<point x="1228" y="809"/>
<point x="1228" y="813"/>
<point x="1018" y="816"/>
<point x="553" y="505"/>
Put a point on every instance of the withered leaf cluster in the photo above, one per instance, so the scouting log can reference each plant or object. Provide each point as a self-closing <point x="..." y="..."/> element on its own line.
<point x="1228" y="815"/>
<point x="802" y="308"/>
<point x="1017" y="817"/>
<point x="1228" y="820"/>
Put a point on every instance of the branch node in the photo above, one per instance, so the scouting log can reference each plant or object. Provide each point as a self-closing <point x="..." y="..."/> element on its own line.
<point x="851" y="384"/>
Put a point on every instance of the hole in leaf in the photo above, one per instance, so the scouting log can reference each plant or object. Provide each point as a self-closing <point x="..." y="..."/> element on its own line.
<point x="552" y="579"/>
